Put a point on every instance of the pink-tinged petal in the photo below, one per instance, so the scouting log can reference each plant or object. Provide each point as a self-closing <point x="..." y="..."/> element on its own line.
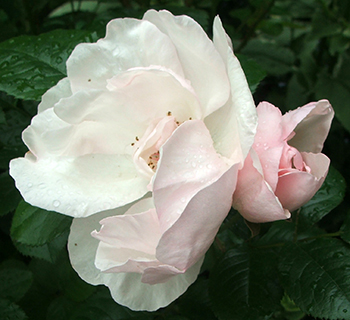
<point x="233" y="126"/>
<point x="254" y="198"/>
<point x="188" y="163"/>
<point x="126" y="45"/>
<point x="61" y="90"/>
<point x="268" y="143"/>
<point x="312" y="131"/>
<point x="291" y="119"/>
<point x="113" y="259"/>
<point x="138" y="232"/>
<point x="79" y="186"/>
<point x="295" y="187"/>
<point x="82" y="246"/>
<point x="192" y="234"/>
<point x="269" y="132"/>
<point x="129" y="290"/>
<point x="160" y="274"/>
<point x="201" y="62"/>
<point x="126" y="288"/>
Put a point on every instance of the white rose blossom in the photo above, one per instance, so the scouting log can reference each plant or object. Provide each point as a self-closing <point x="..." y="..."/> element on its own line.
<point x="154" y="106"/>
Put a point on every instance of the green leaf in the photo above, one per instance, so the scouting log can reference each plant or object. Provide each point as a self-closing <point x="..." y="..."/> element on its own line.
<point x="100" y="306"/>
<point x="30" y="65"/>
<point x="253" y="71"/>
<point x="275" y="59"/>
<point x="48" y="251"/>
<point x="9" y="195"/>
<point x="11" y="311"/>
<point x="345" y="229"/>
<point x="15" y="279"/>
<point x="195" y="303"/>
<point x="337" y="90"/>
<point x="35" y="227"/>
<point x="329" y="196"/>
<point x="316" y="275"/>
<point x="244" y="285"/>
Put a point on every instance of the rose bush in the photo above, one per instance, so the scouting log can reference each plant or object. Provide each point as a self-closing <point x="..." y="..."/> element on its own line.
<point x="154" y="106"/>
<point x="285" y="168"/>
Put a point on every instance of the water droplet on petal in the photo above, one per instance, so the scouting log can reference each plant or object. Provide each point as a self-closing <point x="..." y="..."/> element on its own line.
<point x="183" y="199"/>
<point x="194" y="164"/>
<point x="209" y="166"/>
<point x="29" y="185"/>
<point x="56" y="203"/>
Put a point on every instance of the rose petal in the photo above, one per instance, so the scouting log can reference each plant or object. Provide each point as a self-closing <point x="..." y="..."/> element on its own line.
<point x="79" y="186"/>
<point x="61" y="90"/>
<point x="268" y="143"/>
<point x="192" y="234"/>
<point x="233" y="126"/>
<point x="138" y="232"/>
<point x="126" y="45"/>
<point x="201" y="62"/>
<point x="296" y="188"/>
<point x="254" y="198"/>
<point x="312" y="131"/>
<point x="188" y="164"/>
<point x="126" y="288"/>
<point x="109" y="127"/>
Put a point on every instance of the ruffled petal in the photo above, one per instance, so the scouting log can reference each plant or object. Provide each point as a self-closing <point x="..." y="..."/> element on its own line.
<point x="138" y="232"/>
<point x="192" y="234"/>
<point x="201" y="62"/>
<point x="233" y="126"/>
<point x="78" y="186"/>
<point x="188" y="163"/>
<point x="126" y="288"/>
<point x="126" y="45"/>
<point x="254" y="198"/>
<point x="312" y="131"/>
<point x="108" y="126"/>
<point x="295" y="188"/>
<point x="61" y="90"/>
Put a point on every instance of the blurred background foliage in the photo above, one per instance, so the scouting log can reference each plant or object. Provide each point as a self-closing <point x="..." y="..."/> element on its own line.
<point x="293" y="52"/>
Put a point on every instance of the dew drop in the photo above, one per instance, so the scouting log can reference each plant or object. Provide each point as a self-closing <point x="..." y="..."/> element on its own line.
<point x="345" y="310"/>
<point x="209" y="166"/>
<point x="257" y="145"/>
<point x="42" y="186"/>
<point x="183" y="199"/>
<point x="59" y="60"/>
<point x="29" y="185"/>
<point x="193" y="164"/>
<point x="187" y="160"/>
<point x="56" y="203"/>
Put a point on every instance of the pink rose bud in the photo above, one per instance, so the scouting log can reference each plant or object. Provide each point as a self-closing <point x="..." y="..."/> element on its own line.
<point x="285" y="167"/>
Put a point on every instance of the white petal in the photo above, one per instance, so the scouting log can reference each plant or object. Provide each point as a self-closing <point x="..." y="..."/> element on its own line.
<point x="201" y="62"/>
<point x="60" y="90"/>
<point x="79" y="186"/>
<point x="233" y="126"/>
<point x="128" y="43"/>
